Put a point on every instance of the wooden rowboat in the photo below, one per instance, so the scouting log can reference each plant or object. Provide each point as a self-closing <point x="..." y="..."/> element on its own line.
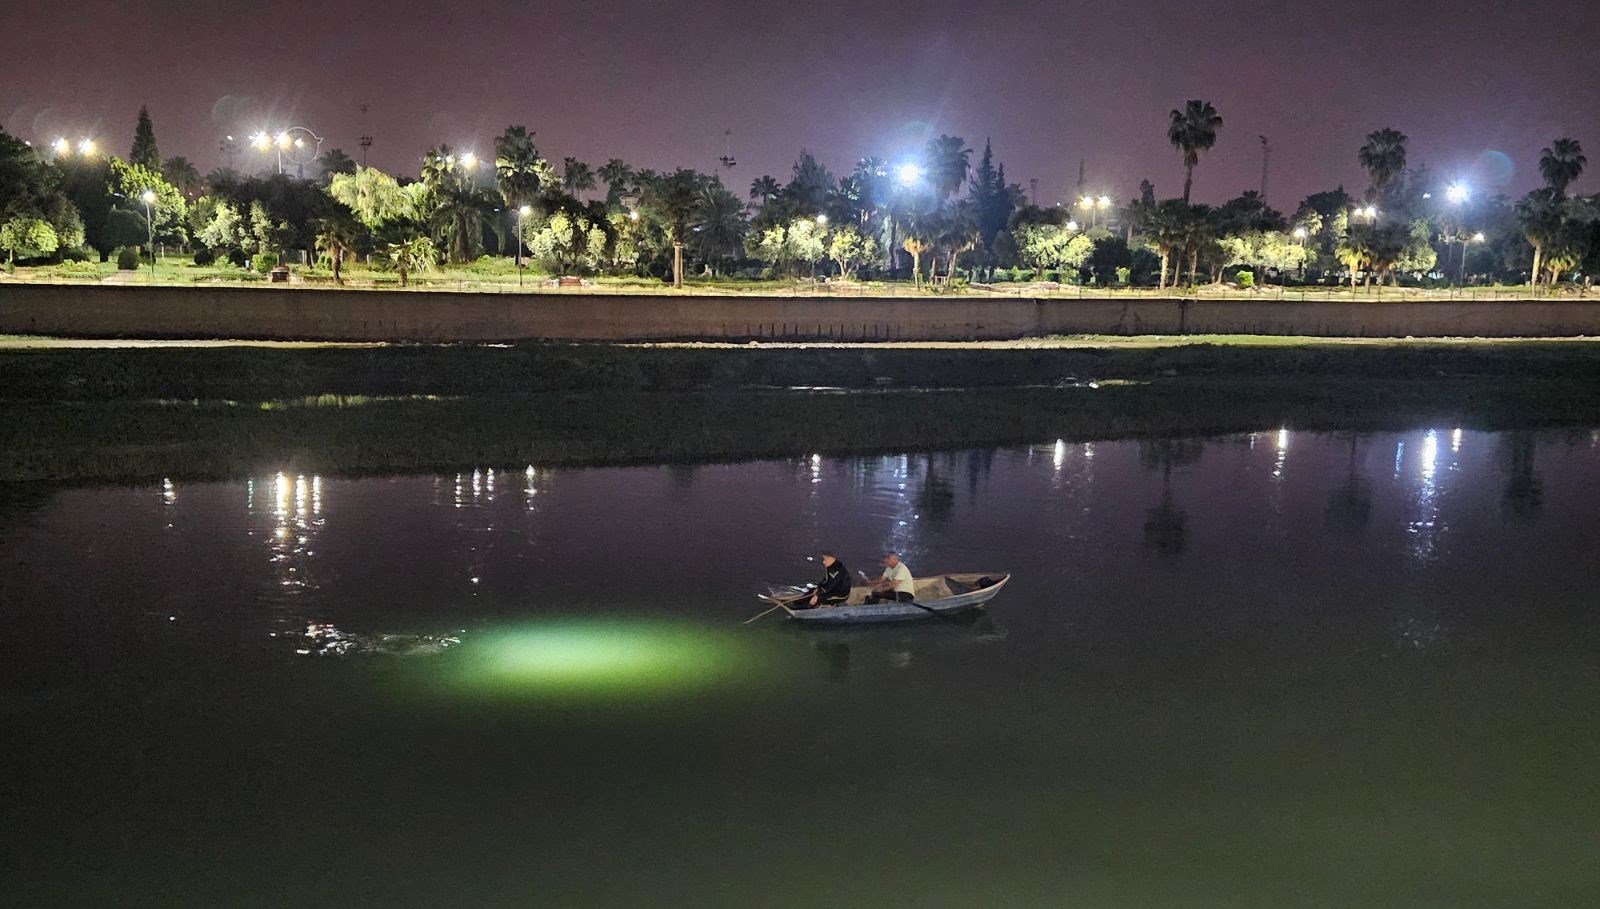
<point x="937" y="595"/>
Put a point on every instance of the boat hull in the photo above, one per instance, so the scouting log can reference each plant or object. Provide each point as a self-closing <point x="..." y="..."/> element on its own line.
<point x="860" y="613"/>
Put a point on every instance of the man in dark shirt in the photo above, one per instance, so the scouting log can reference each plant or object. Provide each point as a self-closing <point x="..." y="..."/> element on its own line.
<point x="835" y="586"/>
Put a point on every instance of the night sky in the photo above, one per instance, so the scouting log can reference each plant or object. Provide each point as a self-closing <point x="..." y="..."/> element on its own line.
<point x="1479" y="86"/>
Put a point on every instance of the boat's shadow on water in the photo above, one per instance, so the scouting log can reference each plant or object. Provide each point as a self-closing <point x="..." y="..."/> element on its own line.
<point x="842" y="650"/>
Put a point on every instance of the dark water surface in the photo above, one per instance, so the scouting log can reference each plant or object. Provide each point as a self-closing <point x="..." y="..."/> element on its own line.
<point x="1266" y="671"/>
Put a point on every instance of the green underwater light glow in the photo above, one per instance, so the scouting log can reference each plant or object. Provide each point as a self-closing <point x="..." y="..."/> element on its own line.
<point x="608" y="656"/>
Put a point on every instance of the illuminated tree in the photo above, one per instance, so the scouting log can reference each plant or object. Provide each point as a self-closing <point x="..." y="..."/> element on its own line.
<point x="32" y="237"/>
<point x="849" y="249"/>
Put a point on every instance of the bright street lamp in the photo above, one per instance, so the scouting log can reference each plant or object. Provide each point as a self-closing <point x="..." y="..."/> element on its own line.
<point x="148" y="197"/>
<point x="61" y="147"/>
<point x="86" y="147"/>
<point x="908" y="174"/>
<point x="1072" y="225"/>
<point x="822" y="220"/>
<point x="469" y="160"/>
<point x="1457" y="193"/>
<point x="1300" y="233"/>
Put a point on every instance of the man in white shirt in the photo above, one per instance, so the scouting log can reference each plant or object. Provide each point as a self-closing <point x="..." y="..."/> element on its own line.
<point x="895" y="585"/>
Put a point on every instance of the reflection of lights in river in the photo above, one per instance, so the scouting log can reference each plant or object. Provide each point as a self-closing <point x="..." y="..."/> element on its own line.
<point x="1059" y="455"/>
<point x="816" y="468"/>
<point x="1430" y="455"/>
<point x="169" y="493"/>
<point x="1455" y="439"/>
<point x="1282" y="454"/>
<point x="297" y="504"/>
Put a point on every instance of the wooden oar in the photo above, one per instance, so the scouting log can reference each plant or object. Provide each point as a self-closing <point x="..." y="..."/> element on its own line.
<point x="754" y="617"/>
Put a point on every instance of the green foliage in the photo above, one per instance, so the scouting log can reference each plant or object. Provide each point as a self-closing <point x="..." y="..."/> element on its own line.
<point x="376" y="198"/>
<point x="1124" y="275"/>
<point x="1245" y="278"/>
<point x="263" y="262"/>
<point x="1052" y="246"/>
<point x="124" y="228"/>
<point x="204" y="257"/>
<point x="27" y="238"/>
<point x="127" y="258"/>
<point x="169" y="209"/>
<point x="407" y="255"/>
<point x="848" y="248"/>
<point x="571" y="239"/>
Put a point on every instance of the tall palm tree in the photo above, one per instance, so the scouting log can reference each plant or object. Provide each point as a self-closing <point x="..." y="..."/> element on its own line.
<point x="947" y="160"/>
<point x="719" y="223"/>
<point x="764" y="189"/>
<point x="674" y="199"/>
<point x="576" y="176"/>
<point x="1560" y="164"/>
<point x="460" y="216"/>
<point x="615" y="174"/>
<point x="517" y="167"/>
<point x="1191" y="131"/>
<point x="1383" y="157"/>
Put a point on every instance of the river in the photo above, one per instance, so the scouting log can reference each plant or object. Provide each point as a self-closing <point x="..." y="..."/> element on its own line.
<point x="1277" y="669"/>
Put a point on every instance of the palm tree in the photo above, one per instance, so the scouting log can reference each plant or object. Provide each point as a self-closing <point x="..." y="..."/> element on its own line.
<point x="576" y="176"/>
<point x="459" y="217"/>
<point x="409" y="254"/>
<point x="184" y="175"/>
<point x="1383" y="157"/>
<point x="615" y="174"/>
<point x="1560" y="164"/>
<point x="719" y="223"/>
<point x="517" y="167"/>
<point x="1539" y="215"/>
<point x="1192" y="131"/>
<point x="917" y="234"/>
<point x="1168" y="228"/>
<point x="958" y="233"/>
<point x="336" y="238"/>
<point x="764" y="189"/>
<point x="948" y="164"/>
<point x="674" y="199"/>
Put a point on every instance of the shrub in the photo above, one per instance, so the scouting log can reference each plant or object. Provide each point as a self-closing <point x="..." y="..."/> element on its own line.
<point x="1123" y="274"/>
<point x="263" y="262"/>
<point x="1246" y="278"/>
<point x="127" y="258"/>
<point x="204" y="256"/>
<point x="76" y="254"/>
<point x="237" y="258"/>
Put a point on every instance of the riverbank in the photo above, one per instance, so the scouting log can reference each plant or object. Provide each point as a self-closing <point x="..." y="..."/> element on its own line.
<point x="80" y="417"/>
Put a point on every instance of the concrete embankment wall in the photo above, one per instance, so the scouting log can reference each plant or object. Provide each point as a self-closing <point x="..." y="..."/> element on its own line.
<point x="365" y="315"/>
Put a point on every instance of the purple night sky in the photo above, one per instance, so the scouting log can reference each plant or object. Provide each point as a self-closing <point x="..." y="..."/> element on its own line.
<point x="1479" y="86"/>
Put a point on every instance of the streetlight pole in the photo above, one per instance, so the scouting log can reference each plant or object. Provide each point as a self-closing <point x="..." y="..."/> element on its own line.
<point x="521" y="213"/>
<point x="148" y="197"/>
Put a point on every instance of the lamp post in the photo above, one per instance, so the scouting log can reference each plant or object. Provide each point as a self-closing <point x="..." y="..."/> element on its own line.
<point x="1102" y="204"/>
<point x="1457" y="194"/>
<point x="148" y="197"/>
<point x="1301" y="234"/>
<point x="522" y="212"/>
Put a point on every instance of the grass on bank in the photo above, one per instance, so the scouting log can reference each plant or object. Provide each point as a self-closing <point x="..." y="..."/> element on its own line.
<point x="262" y="373"/>
<point x="497" y="275"/>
